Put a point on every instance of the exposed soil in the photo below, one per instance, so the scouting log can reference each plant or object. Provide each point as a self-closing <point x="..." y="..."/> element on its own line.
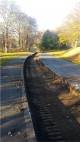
<point x="45" y="88"/>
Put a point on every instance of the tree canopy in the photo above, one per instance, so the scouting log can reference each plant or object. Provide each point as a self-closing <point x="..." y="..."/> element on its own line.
<point x="17" y="29"/>
<point x="69" y="32"/>
<point x="49" y="40"/>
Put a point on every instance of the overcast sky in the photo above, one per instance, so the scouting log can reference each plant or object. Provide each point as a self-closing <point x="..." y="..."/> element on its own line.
<point x="48" y="13"/>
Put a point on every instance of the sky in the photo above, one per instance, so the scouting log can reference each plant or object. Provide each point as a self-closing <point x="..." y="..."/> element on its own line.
<point x="49" y="14"/>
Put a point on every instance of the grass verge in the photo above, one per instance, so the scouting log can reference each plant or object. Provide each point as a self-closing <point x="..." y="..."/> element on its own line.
<point x="71" y="55"/>
<point x="5" y="57"/>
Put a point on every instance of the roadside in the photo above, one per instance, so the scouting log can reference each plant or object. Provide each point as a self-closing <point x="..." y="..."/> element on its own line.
<point x="16" y="123"/>
<point x="71" y="55"/>
<point x="66" y="70"/>
<point x="15" y="115"/>
<point x="54" y="108"/>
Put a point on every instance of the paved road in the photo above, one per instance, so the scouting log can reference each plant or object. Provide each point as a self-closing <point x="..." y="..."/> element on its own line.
<point x="16" y="124"/>
<point x="65" y="69"/>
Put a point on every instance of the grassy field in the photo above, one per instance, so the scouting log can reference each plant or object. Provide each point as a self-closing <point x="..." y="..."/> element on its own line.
<point x="5" y="57"/>
<point x="72" y="55"/>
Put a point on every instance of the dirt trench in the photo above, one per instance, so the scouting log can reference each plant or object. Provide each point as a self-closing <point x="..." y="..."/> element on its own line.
<point x="55" y="111"/>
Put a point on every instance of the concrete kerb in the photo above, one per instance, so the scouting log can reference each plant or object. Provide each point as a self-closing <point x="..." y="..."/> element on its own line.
<point x="31" y="137"/>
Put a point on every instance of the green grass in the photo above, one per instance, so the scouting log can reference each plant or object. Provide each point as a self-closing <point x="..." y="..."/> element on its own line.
<point x="73" y="61"/>
<point x="71" y="55"/>
<point x="5" y="57"/>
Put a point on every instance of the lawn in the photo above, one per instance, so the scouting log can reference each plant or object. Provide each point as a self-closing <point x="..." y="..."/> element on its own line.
<point x="72" y="55"/>
<point x="5" y="57"/>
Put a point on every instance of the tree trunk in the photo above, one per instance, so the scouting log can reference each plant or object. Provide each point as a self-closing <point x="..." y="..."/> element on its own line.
<point x="19" y="39"/>
<point x="6" y="40"/>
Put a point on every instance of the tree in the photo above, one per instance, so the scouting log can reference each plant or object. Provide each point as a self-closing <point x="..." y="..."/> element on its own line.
<point x="2" y="37"/>
<point x="31" y="33"/>
<point x="24" y="28"/>
<point x="63" y="37"/>
<point x="69" y="32"/>
<point x="38" y="39"/>
<point x="16" y="26"/>
<point x="6" y="12"/>
<point x="49" y="40"/>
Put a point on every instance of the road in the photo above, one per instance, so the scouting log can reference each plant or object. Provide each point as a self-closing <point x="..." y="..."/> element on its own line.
<point x="55" y="110"/>
<point x="16" y="123"/>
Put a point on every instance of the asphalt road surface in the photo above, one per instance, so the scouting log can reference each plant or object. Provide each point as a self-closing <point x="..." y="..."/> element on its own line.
<point x="16" y="124"/>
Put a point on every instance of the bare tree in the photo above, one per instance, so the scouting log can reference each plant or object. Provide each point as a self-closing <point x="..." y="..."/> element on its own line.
<point x="17" y="25"/>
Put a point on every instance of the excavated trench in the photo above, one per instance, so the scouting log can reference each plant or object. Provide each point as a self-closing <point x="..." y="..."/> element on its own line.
<point x="51" y="103"/>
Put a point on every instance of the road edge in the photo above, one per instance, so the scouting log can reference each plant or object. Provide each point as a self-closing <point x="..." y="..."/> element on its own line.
<point x="31" y="137"/>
